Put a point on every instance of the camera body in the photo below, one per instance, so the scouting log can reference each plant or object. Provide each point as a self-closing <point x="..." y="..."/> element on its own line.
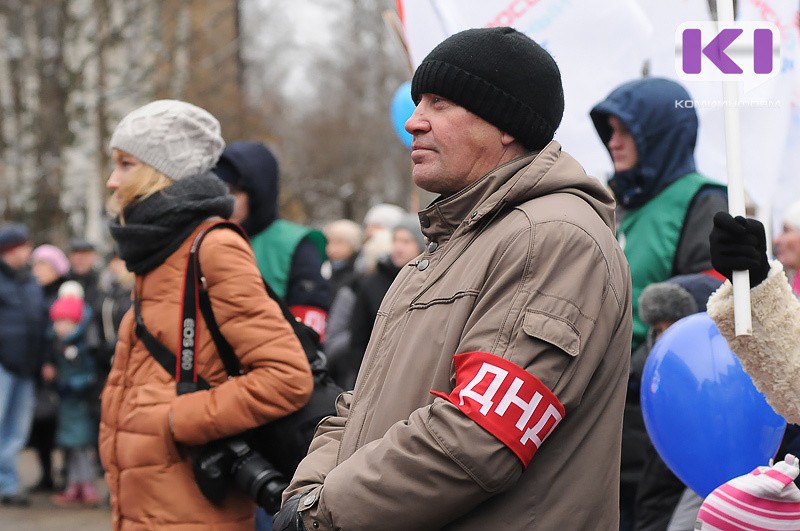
<point x="221" y="462"/>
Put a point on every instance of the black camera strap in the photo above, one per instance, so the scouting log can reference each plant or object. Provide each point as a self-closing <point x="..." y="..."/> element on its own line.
<point x="163" y="355"/>
<point x="308" y="337"/>
<point x="224" y="349"/>
<point x="186" y="368"/>
<point x="194" y="296"/>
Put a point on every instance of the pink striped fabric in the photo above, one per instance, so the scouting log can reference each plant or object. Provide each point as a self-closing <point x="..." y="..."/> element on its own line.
<point x="764" y="500"/>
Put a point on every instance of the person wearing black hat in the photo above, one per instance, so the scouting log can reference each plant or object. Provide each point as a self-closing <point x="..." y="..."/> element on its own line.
<point x="662" y="500"/>
<point x="83" y="260"/>
<point x="492" y="389"/>
<point x="83" y="268"/>
<point x="23" y="342"/>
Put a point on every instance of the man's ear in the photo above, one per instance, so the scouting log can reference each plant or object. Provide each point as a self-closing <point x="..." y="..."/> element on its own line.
<point x="506" y="139"/>
<point x="511" y="146"/>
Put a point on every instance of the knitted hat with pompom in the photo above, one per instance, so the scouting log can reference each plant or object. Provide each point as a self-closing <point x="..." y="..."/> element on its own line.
<point x="765" y="499"/>
<point x="69" y="304"/>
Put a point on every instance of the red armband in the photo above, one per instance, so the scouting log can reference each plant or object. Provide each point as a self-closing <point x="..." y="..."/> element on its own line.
<point x="505" y="400"/>
<point x="311" y="316"/>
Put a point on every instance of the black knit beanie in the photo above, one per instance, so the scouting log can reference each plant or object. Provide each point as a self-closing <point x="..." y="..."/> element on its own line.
<point x="501" y="75"/>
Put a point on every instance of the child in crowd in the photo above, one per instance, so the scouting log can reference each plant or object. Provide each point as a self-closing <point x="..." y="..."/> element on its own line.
<point x="76" y="430"/>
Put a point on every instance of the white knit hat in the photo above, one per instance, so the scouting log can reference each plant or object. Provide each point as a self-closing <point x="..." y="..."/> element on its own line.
<point x="765" y="499"/>
<point x="791" y="216"/>
<point x="174" y="137"/>
<point x="70" y="288"/>
<point x="384" y="214"/>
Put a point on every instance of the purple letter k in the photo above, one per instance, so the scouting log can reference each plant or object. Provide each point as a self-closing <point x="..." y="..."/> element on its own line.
<point x="715" y="51"/>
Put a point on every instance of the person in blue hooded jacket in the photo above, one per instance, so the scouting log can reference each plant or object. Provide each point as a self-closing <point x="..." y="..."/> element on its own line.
<point x="289" y="255"/>
<point x="666" y="206"/>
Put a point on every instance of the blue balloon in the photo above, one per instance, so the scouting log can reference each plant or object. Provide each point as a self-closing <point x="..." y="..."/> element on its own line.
<point x="402" y="108"/>
<point x="704" y="415"/>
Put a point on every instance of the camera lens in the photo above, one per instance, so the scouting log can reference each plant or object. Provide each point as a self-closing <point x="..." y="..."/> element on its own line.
<point x="260" y="480"/>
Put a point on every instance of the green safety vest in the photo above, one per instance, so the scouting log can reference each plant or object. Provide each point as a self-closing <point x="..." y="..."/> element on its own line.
<point x="275" y="246"/>
<point x="649" y="236"/>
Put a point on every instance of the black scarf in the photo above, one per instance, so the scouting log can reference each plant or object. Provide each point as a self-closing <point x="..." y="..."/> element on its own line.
<point x="156" y="226"/>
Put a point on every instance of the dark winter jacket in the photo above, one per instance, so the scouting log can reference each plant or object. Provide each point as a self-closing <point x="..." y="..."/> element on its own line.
<point x="255" y="171"/>
<point x="91" y="294"/>
<point x="50" y="295"/>
<point x="115" y="299"/>
<point x="23" y="322"/>
<point x="77" y="425"/>
<point x="369" y="293"/>
<point x="658" y="489"/>
<point x="342" y="273"/>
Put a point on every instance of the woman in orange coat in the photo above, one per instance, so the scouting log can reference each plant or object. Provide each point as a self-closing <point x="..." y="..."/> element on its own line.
<point x="165" y="194"/>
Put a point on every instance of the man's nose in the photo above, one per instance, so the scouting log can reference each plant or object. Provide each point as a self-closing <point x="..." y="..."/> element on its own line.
<point x="416" y="122"/>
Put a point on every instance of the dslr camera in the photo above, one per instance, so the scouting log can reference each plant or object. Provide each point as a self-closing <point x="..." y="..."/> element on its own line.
<point x="233" y="460"/>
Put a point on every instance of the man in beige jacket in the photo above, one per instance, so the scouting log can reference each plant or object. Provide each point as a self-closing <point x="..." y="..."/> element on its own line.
<point x="492" y="390"/>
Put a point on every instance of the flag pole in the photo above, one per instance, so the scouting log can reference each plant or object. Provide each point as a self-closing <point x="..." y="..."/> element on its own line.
<point x="743" y="325"/>
<point x="392" y="20"/>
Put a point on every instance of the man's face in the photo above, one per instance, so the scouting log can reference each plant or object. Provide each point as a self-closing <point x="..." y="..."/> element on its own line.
<point x="453" y="147"/>
<point x="17" y="257"/>
<point x="338" y="248"/>
<point x="44" y="272"/>
<point x="404" y="247"/>
<point x="63" y="327"/>
<point x="660" y="327"/>
<point x="787" y="247"/>
<point x="241" y="204"/>
<point x="622" y="146"/>
<point x="81" y="262"/>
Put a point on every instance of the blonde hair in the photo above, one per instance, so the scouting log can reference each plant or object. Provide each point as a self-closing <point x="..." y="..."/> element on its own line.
<point x="378" y="245"/>
<point x="140" y="184"/>
<point x="347" y="230"/>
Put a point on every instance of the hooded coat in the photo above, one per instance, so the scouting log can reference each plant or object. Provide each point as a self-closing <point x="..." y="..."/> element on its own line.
<point x="667" y="207"/>
<point x="288" y="255"/>
<point x="522" y="270"/>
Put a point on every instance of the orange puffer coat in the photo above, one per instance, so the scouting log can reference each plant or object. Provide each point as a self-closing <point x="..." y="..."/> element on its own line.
<point x="148" y="470"/>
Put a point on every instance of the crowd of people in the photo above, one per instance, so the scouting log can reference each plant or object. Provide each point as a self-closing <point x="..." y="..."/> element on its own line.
<point x="64" y="309"/>
<point x="491" y="346"/>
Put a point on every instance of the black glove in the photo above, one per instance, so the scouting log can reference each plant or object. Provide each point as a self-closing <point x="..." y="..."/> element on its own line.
<point x="288" y="518"/>
<point x="739" y="244"/>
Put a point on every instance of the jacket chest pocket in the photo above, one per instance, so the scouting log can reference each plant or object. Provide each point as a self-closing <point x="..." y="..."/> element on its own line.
<point x="444" y="299"/>
<point x="553" y="329"/>
<point x="437" y="323"/>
